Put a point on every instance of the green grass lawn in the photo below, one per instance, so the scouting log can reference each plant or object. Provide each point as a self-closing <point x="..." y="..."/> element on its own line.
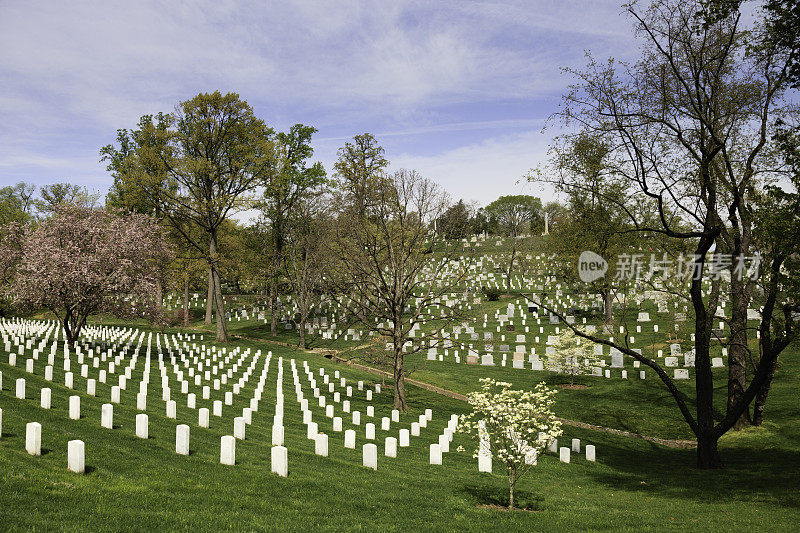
<point x="133" y="484"/>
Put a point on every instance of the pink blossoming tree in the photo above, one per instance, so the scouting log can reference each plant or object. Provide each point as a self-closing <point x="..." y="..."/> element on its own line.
<point x="83" y="261"/>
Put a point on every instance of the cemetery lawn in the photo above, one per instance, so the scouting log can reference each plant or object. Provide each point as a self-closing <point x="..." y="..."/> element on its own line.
<point x="133" y="484"/>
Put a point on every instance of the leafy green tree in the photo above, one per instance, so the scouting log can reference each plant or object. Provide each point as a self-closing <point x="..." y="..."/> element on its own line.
<point x="306" y="259"/>
<point x="777" y="237"/>
<point x="513" y="215"/>
<point x="16" y="203"/>
<point x="290" y="181"/>
<point x="454" y="223"/>
<point x="478" y="222"/>
<point x="141" y="183"/>
<point x="390" y="273"/>
<point x="597" y="211"/>
<point x="199" y="166"/>
<point x="689" y="125"/>
<point x="51" y="196"/>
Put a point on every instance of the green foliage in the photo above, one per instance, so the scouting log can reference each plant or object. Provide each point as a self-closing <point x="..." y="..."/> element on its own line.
<point x="515" y="214"/>
<point x="16" y="203"/>
<point x="51" y="196"/>
<point x="492" y="294"/>
<point x="455" y="222"/>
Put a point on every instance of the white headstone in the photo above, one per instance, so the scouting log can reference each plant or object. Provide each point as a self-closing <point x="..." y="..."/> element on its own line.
<point x="182" y="439"/>
<point x="435" y="454"/>
<point x="227" y="450"/>
<point x="484" y="462"/>
<point x="681" y="373"/>
<point x="563" y="454"/>
<point x="46" y="396"/>
<point x="107" y="416"/>
<point x="33" y="438"/>
<point x="239" y="427"/>
<point x="390" y="447"/>
<point x="277" y="435"/>
<point x="142" y="426"/>
<point x="280" y="461"/>
<point x="444" y="443"/>
<point x="350" y="439"/>
<point x="590" y="452"/>
<point x="75" y="407"/>
<point x="76" y="456"/>
<point x="370" y="456"/>
<point x="321" y="444"/>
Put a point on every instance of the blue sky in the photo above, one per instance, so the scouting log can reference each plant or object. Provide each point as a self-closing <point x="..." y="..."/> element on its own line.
<point x="458" y="91"/>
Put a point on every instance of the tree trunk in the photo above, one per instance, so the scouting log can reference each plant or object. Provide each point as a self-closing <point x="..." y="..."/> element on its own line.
<point x="159" y="297"/>
<point x="707" y="452"/>
<point x="302" y="333"/>
<point x="511" y="267"/>
<point x="72" y="327"/>
<point x="511" y="496"/>
<point x="399" y="380"/>
<point x="761" y="396"/>
<point x="608" y="304"/>
<point x="273" y="306"/>
<point x="219" y="303"/>
<point x="186" y="301"/>
<point x="70" y="334"/>
<point x="210" y="298"/>
<point x="738" y="351"/>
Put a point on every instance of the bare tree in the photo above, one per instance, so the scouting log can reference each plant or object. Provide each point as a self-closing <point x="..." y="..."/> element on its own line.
<point x="391" y="274"/>
<point x="688" y="127"/>
<point x="306" y="260"/>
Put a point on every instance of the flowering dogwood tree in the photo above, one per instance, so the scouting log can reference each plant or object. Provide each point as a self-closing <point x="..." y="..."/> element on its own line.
<point x="82" y="261"/>
<point x="512" y="426"/>
<point x="573" y="356"/>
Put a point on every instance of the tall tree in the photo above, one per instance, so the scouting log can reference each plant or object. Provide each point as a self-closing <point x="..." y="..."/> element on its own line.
<point x="82" y="261"/>
<point x="51" y="196"/>
<point x="454" y="223"/>
<point x="306" y="259"/>
<point x="289" y="182"/>
<point x="212" y="152"/>
<point x="689" y="125"/>
<point x="16" y="203"/>
<point x="584" y="174"/>
<point x="140" y="183"/>
<point x="391" y="273"/>
<point x="512" y="215"/>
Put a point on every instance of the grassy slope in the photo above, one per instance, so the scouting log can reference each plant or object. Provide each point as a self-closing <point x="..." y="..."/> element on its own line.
<point x="633" y="405"/>
<point x="134" y="484"/>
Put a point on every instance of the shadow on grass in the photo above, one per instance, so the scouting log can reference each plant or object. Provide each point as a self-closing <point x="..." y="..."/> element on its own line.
<point x="750" y="473"/>
<point x="497" y="495"/>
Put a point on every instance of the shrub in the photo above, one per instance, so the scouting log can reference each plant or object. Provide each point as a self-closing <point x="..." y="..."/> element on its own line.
<point x="492" y="294"/>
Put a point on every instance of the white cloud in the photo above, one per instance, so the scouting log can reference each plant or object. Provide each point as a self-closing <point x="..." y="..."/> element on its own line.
<point x="71" y="73"/>
<point x="483" y="171"/>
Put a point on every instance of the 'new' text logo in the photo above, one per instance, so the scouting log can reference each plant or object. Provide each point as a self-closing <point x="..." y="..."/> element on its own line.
<point x="591" y="266"/>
